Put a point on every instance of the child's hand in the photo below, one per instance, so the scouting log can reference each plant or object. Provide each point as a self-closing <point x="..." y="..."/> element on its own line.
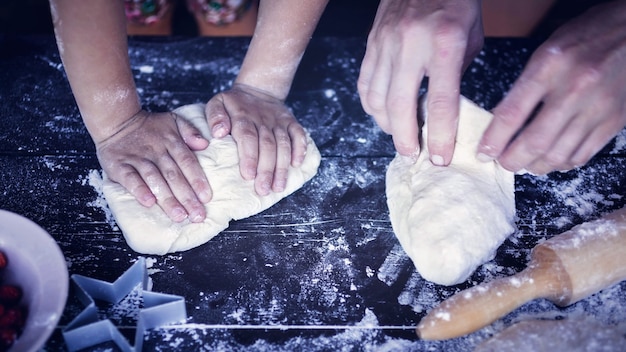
<point x="268" y="137"/>
<point x="151" y="156"/>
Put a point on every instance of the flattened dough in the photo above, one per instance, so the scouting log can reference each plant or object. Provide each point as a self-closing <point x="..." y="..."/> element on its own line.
<point x="449" y="220"/>
<point x="150" y="231"/>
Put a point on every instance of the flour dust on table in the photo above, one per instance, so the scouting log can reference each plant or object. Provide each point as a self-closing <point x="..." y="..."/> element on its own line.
<point x="537" y="335"/>
<point x="151" y="231"/>
<point x="450" y="220"/>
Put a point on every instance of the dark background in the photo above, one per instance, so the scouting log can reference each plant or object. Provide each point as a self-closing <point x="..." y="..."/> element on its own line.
<point x="341" y="18"/>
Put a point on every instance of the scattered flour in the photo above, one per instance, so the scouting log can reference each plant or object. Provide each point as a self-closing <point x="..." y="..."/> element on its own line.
<point x="94" y="179"/>
<point x="569" y="199"/>
<point x="620" y="143"/>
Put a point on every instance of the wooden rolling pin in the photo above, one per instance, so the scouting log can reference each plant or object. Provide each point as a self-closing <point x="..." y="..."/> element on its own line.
<point x="564" y="269"/>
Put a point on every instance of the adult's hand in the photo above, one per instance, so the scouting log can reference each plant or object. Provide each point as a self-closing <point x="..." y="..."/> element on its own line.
<point x="269" y="138"/>
<point x="569" y="101"/>
<point x="411" y="39"/>
<point x="151" y="156"/>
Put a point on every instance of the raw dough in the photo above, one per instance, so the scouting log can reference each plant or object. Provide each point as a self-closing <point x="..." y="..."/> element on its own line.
<point x="450" y="220"/>
<point x="150" y="231"/>
<point x="556" y="335"/>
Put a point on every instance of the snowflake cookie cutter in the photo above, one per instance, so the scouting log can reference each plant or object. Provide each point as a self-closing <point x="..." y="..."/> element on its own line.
<point x="87" y="329"/>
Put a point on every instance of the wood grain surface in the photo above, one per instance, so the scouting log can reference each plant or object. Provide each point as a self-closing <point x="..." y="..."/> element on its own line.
<point x="320" y="270"/>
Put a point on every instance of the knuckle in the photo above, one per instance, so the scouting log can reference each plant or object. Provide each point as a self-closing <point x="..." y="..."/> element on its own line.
<point x="362" y="85"/>
<point x="282" y="140"/>
<point x="550" y="58"/>
<point x="387" y="31"/>
<point x="122" y="171"/>
<point x="285" y="117"/>
<point x="405" y="27"/>
<point x="439" y="105"/>
<point x="448" y="34"/>
<point x="266" y="139"/>
<point x="363" y="88"/>
<point x="215" y="117"/>
<point x="187" y="159"/>
<point x="537" y="146"/>
<point x="150" y="173"/>
<point x="243" y="124"/>
<point x="170" y="203"/>
<point x="295" y="129"/>
<point x="401" y="102"/>
<point x="376" y="101"/>
<point x="281" y="174"/>
<point x="267" y="142"/>
<point x="551" y="54"/>
<point x="586" y="78"/>
<point x="170" y="174"/>
<point x="509" y="115"/>
<point x="245" y="129"/>
<point x="190" y="202"/>
<point x="129" y="179"/>
<point x="555" y="160"/>
<point x="198" y="184"/>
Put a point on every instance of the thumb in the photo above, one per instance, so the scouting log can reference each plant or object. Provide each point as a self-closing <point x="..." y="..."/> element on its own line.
<point x="217" y="117"/>
<point x="191" y="135"/>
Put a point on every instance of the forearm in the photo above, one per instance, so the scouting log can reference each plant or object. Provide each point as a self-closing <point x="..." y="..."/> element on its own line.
<point x="284" y="28"/>
<point x="91" y="36"/>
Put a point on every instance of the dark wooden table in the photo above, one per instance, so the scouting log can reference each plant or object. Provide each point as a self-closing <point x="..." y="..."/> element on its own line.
<point x="321" y="270"/>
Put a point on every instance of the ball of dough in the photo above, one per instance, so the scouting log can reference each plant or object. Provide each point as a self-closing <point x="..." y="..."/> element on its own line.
<point x="449" y="220"/>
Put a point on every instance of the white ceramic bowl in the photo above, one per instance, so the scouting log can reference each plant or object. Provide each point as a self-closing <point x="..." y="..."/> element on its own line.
<point x="37" y="265"/>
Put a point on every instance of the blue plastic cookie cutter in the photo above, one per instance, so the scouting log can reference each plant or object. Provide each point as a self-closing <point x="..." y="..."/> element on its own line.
<point x="87" y="329"/>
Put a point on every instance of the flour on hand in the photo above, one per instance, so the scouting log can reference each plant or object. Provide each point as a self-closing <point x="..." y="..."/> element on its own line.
<point x="450" y="220"/>
<point x="151" y="231"/>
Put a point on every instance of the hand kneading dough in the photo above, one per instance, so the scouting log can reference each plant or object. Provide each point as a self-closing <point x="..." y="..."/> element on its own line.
<point x="449" y="220"/>
<point x="150" y="231"/>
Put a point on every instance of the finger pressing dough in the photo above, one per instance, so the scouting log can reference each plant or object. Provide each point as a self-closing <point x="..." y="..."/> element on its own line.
<point x="150" y="230"/>
<point x="450" y="220"/>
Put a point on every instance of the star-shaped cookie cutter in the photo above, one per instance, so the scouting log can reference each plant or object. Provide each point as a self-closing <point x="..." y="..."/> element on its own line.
<point x="87" y="329"/>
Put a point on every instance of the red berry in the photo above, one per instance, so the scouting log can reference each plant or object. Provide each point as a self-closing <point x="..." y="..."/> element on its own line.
<point x="10" y="294"/>
<point x="7" y="337"/>
<point x="3" y="260"/>
<point x="12" y="317"/>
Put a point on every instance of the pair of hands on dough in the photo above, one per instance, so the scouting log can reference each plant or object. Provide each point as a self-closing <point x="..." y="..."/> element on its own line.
<point x="574" y="82"/>
<point x="152" y="155"/>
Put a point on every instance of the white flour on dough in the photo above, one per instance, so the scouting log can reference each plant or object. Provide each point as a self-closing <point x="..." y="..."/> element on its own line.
<point x="150" y="231"/>
<point x="450" y="220"/>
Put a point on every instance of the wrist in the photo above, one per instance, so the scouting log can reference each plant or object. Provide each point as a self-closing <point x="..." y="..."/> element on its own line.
<point x="126" y="125"/>
<point x="275" y="88"/>
<point x="105" y="109"/>
<point x="272" y="75"/>
<point x="259" y="92"/>
<point x="104" y="124"/>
